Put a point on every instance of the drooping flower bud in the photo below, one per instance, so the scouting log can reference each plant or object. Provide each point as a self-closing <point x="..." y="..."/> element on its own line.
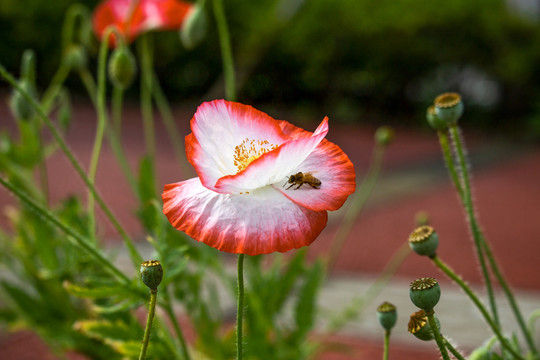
<point x="20" y="106"/>
<point x="151" y="274"/>
<point x="75" y="57"/>
<point x="424" y="241"/>
<point x="384" y="135"/>
<point x="193" y="29"/>
<point x="419" y="326"/>
<point x="425" y="293"/>
<point x="122" y="67"/>
<point x="434" y="121"/>
<point x="387" y="315"/>
<point x="449" y="107"/>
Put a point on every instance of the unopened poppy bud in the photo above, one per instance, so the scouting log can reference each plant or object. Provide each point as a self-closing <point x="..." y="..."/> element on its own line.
<point x="434" y="121"/>
<point x="424" y="241"/>
<point x="122" y="67"/>
<point x="384" y="135"/>
<point x="449" y="107"/>
<point x="387" y="315"/>
<point x="425" y="293"/>
<point x="419" y="326"/>
<point x="193" y="29"/>
<point x="20" y="106"/>
<point x="75" y="57"/>
<point x="151" y="274"/>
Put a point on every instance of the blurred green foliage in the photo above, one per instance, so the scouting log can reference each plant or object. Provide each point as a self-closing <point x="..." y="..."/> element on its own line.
<point x="352" y="59"/>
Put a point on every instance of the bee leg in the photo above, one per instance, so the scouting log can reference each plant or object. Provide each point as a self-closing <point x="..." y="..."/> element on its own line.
<point x="289" y="187"/>
<point x="298" y="187"/>
<point x="314" y="186"/>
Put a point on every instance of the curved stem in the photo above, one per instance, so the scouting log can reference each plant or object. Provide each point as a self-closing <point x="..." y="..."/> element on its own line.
<point x="437" y="335"/>
<point x="172" y="131"/>
<point x="469" y="208"/>
<point x="447" y="155"/>
<point x="73" y="236"/>
<point x="47" y="100"/>
<point x="240" y="308"/>
<point x="358" y="203"/>
<point x="452" y="349"/>
<point x="117" y="100"/>
<point x="459" y="281"/>
<point x="135" y="257"/>
<point x="226" y="50"/>
<point x="149" y="320"/>
<point x="89" y="84"/>
<point x="386" y="344"/>
<point x="176" y="326"/>
<point x="145" y="55"/>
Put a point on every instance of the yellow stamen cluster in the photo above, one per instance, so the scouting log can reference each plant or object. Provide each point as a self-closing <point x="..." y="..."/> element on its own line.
<point x="423" y="283"/>
<point x="250" y="150"/>
<point x="447" y="100"/>
<point x="386" y="307"/>
<point x="151" y="263"/>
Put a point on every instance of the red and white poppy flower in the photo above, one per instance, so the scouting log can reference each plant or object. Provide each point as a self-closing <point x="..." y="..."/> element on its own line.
<point x="133" y="17"/>
<point x="243" y="158"/>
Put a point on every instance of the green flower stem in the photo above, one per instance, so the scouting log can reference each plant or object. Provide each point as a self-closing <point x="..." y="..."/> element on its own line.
<point x="437" y="335"/>
<point x="358" y="203"/>
<point x="135" y="257"/>
<point x="176" y="326"/>
<point x="386" y="344"/>
<point x="100" y="128"/>
<point x="226" y="50"/>
<point x="50" y="94"/>
<point x="73" y="236"/>
<point x="89" y="84"/>
<point x="145" y="59"/>
<point x="75" y="11"/>
<point x="459" y="281"/>
<point x="452" y="349"/>
<point x="466" y="198"/>
<point x="172" y="131"/>
<point x="483" y="245"/>
<point x="149" y="320"/>
<point x="447" y="155"/>
<point x="117" y="100"/>
<point x="240" y="308"/>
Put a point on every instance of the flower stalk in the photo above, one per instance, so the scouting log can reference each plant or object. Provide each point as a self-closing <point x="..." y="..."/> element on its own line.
<point x="226" y="50"/>
<point x="240" y="309"/>
<point x="437" y="334"/>
<point x="149" y="321"/>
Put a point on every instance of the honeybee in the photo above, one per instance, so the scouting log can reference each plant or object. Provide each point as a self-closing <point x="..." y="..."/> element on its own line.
<point x="301" y="178"/>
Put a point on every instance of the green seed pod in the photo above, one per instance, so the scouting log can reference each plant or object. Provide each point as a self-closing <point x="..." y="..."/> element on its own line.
<point x="151" y="274"/>
<point x="193" y="29"/>
<point x="122" y="67"/>
<point x="424" y="241"/>
<point x="75" y="57"/>
<point x="425" y="293"/>
<point x="387" y="315"/>
<point x="449" y="107"/>
<point x="384" y="135"/>
<point x="20" y="106"/>
<point x="434" y="121"/>
<point x="419" y="326"/>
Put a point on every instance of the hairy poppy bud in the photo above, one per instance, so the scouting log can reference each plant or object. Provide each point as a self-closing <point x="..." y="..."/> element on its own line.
<point x="449" y="107"/>
<point x="122" y="67"/>
<point x="151" y="274"/>
<point x="424" y="241"/>
<point x="419" y="326"/>
<point x="384" y="135"/>
<point x="387" y="315"/>
<point x="76" y="57"/>
<point x="435" y="121"/>
<point x="194" y="27"/>
<point x="425" y="293"/>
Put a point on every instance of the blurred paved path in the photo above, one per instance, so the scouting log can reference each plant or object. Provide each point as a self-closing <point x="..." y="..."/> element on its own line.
<point x="507" y="192"/>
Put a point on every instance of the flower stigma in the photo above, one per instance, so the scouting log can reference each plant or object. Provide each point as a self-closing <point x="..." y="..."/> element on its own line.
<point x="250" y="150"/>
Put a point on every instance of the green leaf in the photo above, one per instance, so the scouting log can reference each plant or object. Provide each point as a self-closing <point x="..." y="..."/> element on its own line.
<point x="93" y="293"/>
<point x="105" y="330"/>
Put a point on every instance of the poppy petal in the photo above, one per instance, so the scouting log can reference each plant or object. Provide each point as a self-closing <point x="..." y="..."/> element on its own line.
<point x="274" y="166"/>
<point x="222" y="131"/>
<point x="261" y="222"/>
<point x="332" y="167"/>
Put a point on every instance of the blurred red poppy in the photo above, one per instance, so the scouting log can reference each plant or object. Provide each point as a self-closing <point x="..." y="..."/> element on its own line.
<point x="133" y="17"/>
